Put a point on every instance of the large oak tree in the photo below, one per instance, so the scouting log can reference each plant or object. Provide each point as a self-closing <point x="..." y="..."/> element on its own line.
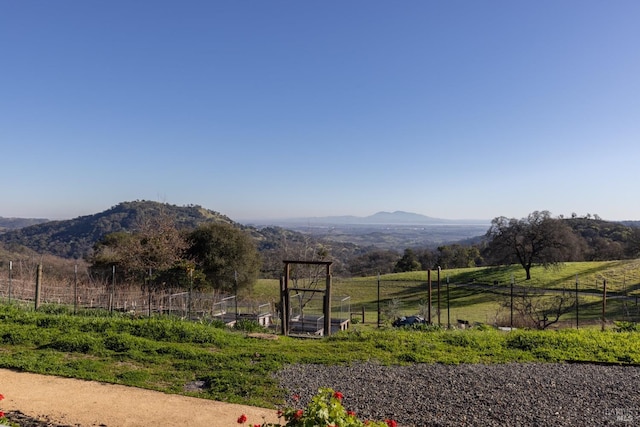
<point x="536" y="239"/>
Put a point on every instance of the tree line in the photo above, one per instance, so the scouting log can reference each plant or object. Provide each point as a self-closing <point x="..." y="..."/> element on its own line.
<point x="158" y="254"/>
<point x="538" y="239"/>
<point x="157" y="244"/>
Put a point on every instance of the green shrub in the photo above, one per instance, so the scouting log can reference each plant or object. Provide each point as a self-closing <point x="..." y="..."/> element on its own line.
<point x="627" y="327"/>
<point x="120" y="343"/>
<point x="461" y="339"/>
<point x="525" y="341"/>
<point x="21" y="335"/>
<point x="98" y="325"/>
<point x="56" y="309"/>
<point x="246" y="325"/>
<point x="77" y="343"/>
<point x="62" y="322"/>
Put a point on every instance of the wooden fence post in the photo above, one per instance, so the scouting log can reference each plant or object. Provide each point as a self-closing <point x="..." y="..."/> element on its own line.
<point x="38" y="286"/>
<point x="604" y="303"/>
<point x="429" y="296"/>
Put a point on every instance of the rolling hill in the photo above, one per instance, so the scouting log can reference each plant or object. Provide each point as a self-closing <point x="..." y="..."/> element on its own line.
<point x="75" y="238"/>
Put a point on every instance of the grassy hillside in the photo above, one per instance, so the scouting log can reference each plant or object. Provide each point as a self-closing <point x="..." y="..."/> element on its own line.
<point x="480" y="304"/>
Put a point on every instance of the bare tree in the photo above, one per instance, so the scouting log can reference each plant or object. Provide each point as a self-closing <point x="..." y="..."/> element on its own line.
<point x="539" y="309"/>
<point x="393" y="309"/>
<point x="156" y="245"/>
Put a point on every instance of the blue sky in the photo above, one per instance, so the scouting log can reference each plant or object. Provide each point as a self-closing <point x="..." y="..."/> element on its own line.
<point x="275" y="109"/>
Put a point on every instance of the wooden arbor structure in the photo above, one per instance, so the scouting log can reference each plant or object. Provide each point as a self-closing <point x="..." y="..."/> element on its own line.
<point x="285" y="295"/>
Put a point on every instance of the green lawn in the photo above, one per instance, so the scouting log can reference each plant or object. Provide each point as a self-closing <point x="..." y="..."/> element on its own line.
<point x="166" y="354"/>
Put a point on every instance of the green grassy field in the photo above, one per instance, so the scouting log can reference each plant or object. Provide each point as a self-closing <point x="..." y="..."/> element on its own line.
<point x="163" y="353"/>
<point x="410" y="290"/>
<point x="236" y="366"/>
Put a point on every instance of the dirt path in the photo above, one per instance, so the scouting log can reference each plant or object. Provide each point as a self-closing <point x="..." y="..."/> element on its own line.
<point x="90" y="404"/>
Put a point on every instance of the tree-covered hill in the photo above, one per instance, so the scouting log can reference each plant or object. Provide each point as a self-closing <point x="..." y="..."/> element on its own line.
<point x="606" y="240"/>
<point x="74" y="238"/>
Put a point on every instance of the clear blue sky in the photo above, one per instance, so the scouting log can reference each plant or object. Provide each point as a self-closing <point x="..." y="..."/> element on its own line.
<point x="271" y="109"/>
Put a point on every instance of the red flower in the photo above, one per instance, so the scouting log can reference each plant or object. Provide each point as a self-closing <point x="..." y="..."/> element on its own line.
<point x="351" y="413"/>
<point x="298" y="414"/>
<point x="242" y="419"/>
<point x="295" y="397"/>
<point x="257" y="425"/>
<point x="280" y="413"/>
<point x="1" y="414"/>
<point x="1" y="396"/>
<point x="338" y="395"/>
<point x="391" y="423"/>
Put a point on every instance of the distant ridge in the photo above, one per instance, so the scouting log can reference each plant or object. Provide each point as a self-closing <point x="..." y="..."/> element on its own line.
<point x="379" y="218"/>
<point x="16" y="223"/>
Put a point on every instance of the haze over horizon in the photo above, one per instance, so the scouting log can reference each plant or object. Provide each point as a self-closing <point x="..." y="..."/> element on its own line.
<point x="281" y="109"/>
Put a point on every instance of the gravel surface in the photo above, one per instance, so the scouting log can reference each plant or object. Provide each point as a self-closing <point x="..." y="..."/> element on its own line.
<point x="23" y="420"/>
<point x="478" y="395"/>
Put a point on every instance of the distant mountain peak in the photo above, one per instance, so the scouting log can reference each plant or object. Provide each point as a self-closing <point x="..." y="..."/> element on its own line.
<point x="379" y="218"/>
<point x="402" y="217"/>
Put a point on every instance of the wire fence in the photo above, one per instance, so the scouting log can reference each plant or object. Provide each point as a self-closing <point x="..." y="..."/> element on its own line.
<point x="461" y="305"/>
<point x="368" y="301"/>
<point x="85" y="292"/>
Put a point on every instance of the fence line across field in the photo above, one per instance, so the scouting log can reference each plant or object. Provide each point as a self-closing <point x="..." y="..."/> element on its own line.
<point x="448" y="304"/>
<point x="87" y="294"/>
<point x="459" y="304"/>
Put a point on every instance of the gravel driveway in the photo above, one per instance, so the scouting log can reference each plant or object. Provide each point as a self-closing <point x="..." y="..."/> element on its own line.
<point x="479" y="395"/>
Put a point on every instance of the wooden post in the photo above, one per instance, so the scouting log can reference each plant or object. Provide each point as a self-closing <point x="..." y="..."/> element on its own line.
<point x="38" y="286"/>
<point x="604" y="302"/>
<point x="438" y="287"/>
<point x="190" y="296"/>
<point x="511" y="306"/>
<point x="378" y="300"/>
<point x="149" y="296"/>
<point x="284" y="295"/>
<point x="429" y="296"/>
<point x="113" y="288"/>
<point x="448" y="305"/>
<point x="75" y="289"/>
<point x="10" y="278"/>
<point x="327" y="302"/>
<point x="577" y="304"/>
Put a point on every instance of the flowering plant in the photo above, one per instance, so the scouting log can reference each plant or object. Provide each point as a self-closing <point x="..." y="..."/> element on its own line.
<point x="325" y="409"/>
<point x="3" y="419"/>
